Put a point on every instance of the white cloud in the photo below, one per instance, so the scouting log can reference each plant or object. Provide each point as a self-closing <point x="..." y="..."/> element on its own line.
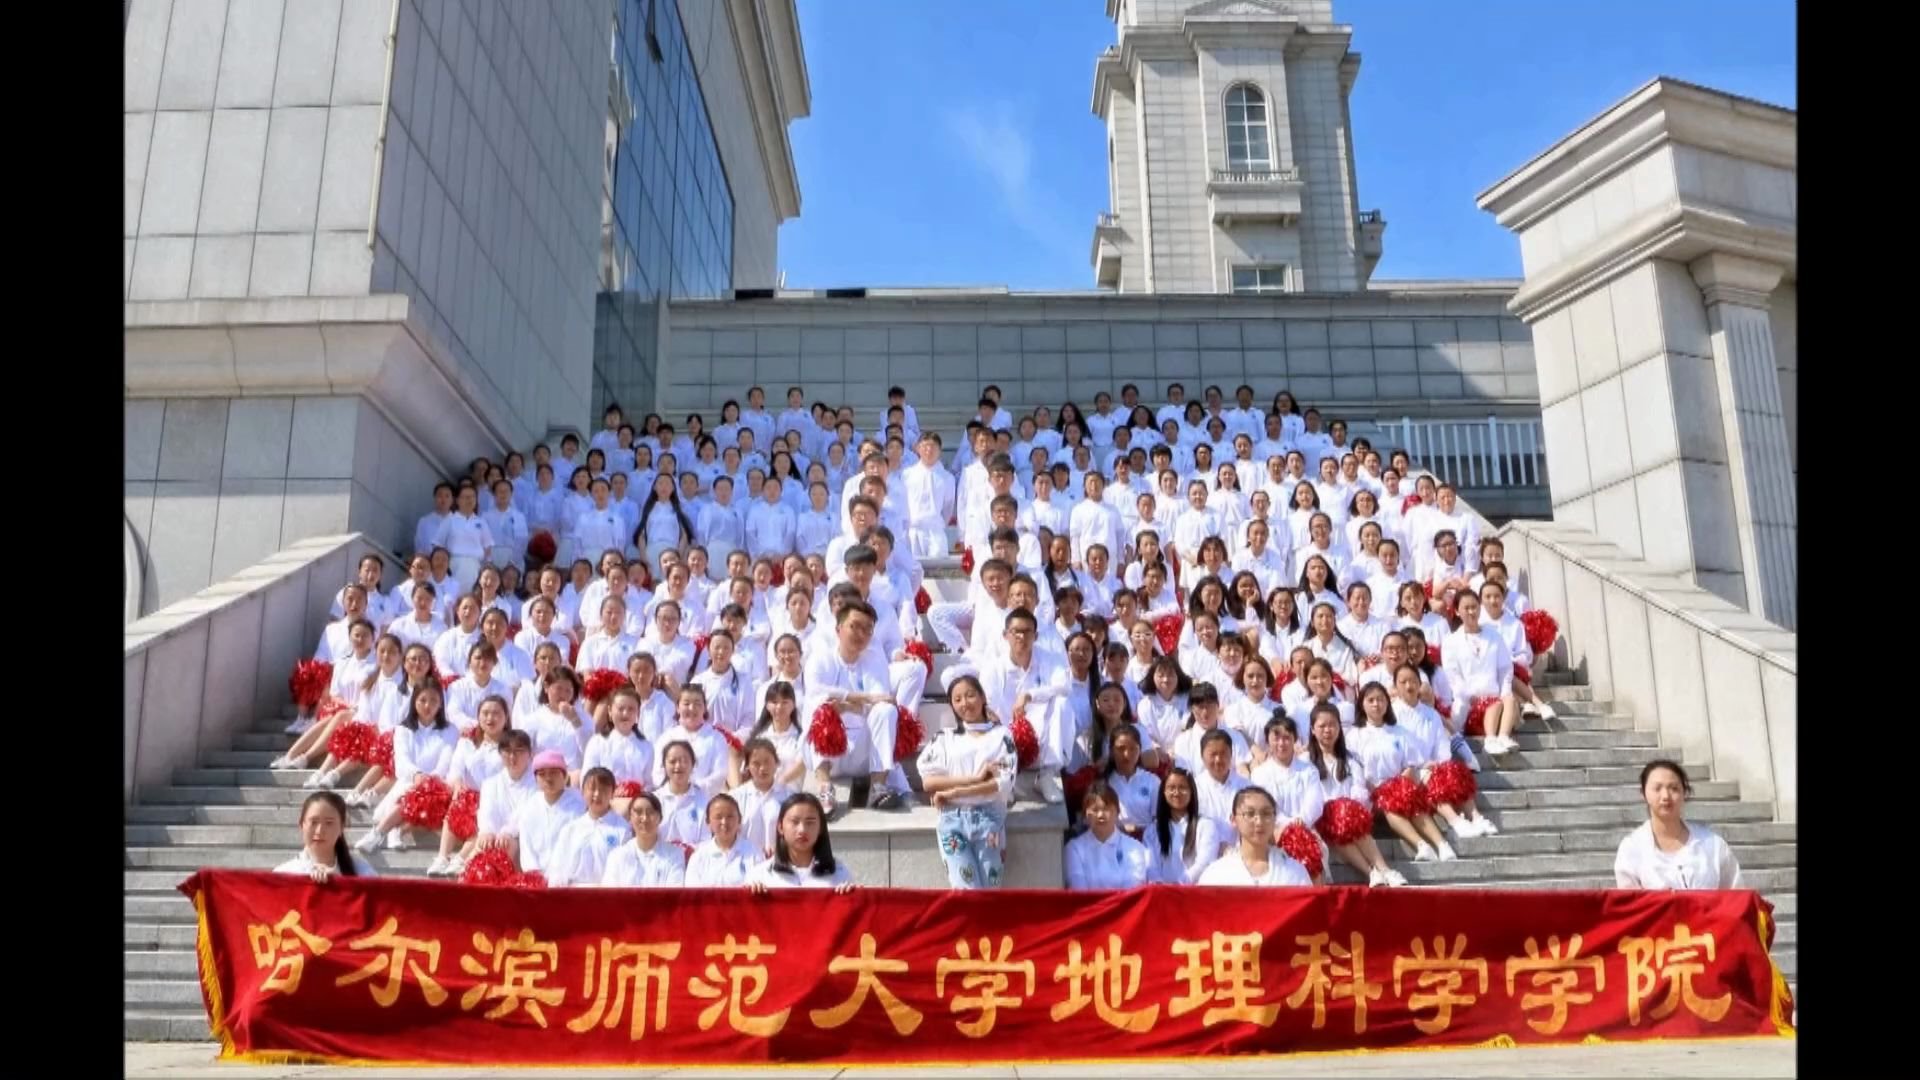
<point x="993" y="142"/>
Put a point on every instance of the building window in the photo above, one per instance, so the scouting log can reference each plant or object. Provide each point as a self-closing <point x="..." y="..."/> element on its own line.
<point x="1253" y="280"/>
<point x="1247" y="145"/>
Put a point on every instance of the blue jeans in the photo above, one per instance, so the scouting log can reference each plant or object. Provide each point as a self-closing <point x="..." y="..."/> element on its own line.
<point x="973" y="863"/>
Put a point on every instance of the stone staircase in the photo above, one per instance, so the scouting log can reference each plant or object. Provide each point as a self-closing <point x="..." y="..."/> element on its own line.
<point x="1563" y="802"/>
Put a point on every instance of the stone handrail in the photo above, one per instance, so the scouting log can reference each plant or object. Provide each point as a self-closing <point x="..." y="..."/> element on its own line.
<point x="1713" y="679"/>
<point x="203" y="669"/>
<point x="134" y="566"/>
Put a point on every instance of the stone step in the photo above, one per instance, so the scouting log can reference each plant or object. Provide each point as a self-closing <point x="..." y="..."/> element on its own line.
<point x="1786" y="906"/>
<point x="230" y="777"/>
<point x="1628" y="757"/>
<point x="1535" y="739"/>
<point x="163" y="963"/>
<point x="175" y="993"/>
<point x="167" y="1025"/>
<point x="1539" y="798"/>
<point x="180" y="861"/>
<point x="1585" y="706"/>
<point x="1622" y="817"/>
<point x="1498" y="868"/>
<point x="250" y="760"/>
<point x="225" y="794"/>
<point x="243" y="815"/>
<point x="274" y="740"/>
<point x="1786" y="934"/>
<point x="1565" y="693"/>
<point x="1575" y="841"/>
<point x="1767" y="881"/>
<point x="1525" y="770"/>
<point x="1606" y="721"/>
<point x="156" y="908"/>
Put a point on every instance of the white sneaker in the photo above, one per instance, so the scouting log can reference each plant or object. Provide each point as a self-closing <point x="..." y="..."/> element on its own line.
<point x="1395" y="877"/>
<point x="1529" y="709"/>
<point x="300" y="725"/>
<point x="1425" y="853"/>
<point x="1546" y="712"/>
<point x="1050" y="789"/>
<point x="283" y="763"/>
<point x="400" y="840"/>
<point x="455" y="866"/>
<point x="1376" y="877"/>
<point x="438" y="867"/>
<point x="1446" y="852"/>
<point x="1487" y="827"/>
<point x="356" y="798"/>
<point x="370" y="842"/>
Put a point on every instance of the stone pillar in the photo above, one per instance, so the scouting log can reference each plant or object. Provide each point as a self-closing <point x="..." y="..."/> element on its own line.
<point x="1759" y="457"/>
<point x="1654" y="241"/>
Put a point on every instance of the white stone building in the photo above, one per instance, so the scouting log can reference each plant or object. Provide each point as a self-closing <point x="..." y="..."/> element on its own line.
<point x="369" y="240"/>
<point x="1230" y="150"/>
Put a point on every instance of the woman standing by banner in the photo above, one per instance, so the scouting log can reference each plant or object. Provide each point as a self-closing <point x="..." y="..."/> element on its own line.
<point x="1668" y="852"/>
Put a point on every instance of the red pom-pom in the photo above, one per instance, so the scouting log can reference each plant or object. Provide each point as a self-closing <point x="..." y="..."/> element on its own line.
<point x="1477" y="716"/>
<point x="1301" y="846"/>
<point x="966" y="561"/>
<point x="1443" y="707"/>
<point x="779" y="577"/>
<point x="1542" y="631"/>
<point x="1433" y="655"/>
<point x="602" y="682"/>
<point x="629" y="789"/>
<point x="475" y="735"/>
<point x="1078" y="782"/>
<point x="1451" y="784"/>
<point x="1409" y="503"/>
<point x="1273" y="694"/>
<point x="908" y="736"/>
<point x="827" y="733"/>
<point x="1339" y="683"/>
<point x="309" y="682"/>
<point x="1166" y="632"/>
<point x="1427" y="586"/>
<point x="1026" y="742"/>
<point x="490" y="867"/>
<point x="686" y="849"/>
<point x="573" y="655"/>
<point x="350" y="741"/>
<point x="424" y="806"/>
<point x="1522" y="675"/>
<point x="919" y="651"/>
<point x="1162" y="770"/>
<point x="380" y="753"/>
<point x="532" y="879"/>
<point x="921" y="601"/>
<point x="699" y="648"/>
<point x="1402" y="796"/>
<point x="463" y="817"/>
<point x="645" y="576"/>
<point x="542" y="547"/>
<point x="448" y="680"/>
<point x="732" y="739"/>
<point x="1344" y="821"/>
<point x="513" y="630"/>
<point x="330" y="707"/>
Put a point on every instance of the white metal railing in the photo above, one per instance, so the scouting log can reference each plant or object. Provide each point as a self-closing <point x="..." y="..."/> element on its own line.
<point x="1370" y="217"/>
<point x="1254" y="176"/>
<point x="1107" y="221"/>
<point x="1467" y="453"/>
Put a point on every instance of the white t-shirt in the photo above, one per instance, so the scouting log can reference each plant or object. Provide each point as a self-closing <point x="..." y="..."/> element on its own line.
<point x="630" y="868"/>
<point x="1231" y="869"/>
<point x="1704" y="862"/>
<point x="800" y="877"/>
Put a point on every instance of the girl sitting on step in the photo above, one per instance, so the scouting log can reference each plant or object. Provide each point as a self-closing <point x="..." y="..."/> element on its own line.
<point x="1391" y="763"/>
<point x="1346" y="821"/>
<point x="386" y="706"/>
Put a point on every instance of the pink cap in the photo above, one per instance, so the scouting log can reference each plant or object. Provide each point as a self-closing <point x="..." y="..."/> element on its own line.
<point x="548" y="759"/>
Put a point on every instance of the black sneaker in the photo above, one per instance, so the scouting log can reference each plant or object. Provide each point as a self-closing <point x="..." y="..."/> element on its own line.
<point x="858" y="791"/>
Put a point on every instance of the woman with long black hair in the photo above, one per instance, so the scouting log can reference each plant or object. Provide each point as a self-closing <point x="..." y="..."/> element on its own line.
<point x="802" y="852"/>
<point x="324" y="853"/>
<point x="666" y="527"/>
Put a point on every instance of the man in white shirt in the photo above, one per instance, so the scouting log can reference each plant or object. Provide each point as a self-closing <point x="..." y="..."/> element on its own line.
<point x="1096" y="521"/>
<point x="852" y="678"/>
<point x="1043" y="513"/>
<point x="1384" y="583"/>
<point x="611" y="645"/>
<point x="1176" y="407"/>
<point x="1103" y="420"/>
<point x="381" y="608"/>
<point x="1269" y="565"/>
<point x="1360" y="625"/>
<point x="909" y="422"/>
<point x="977" y="519"/>
<point x="1026" y="683"/>
<point x="931" y="492"/>
<point x="538" y="824"/>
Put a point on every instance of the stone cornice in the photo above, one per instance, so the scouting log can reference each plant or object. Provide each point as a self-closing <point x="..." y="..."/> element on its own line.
<point x="1661" y="112"/>
<point x="1239" y="31"/>
<point x="1110" y="77"/>
<point x="372" y="347"/>
<point x="1734" y="279"/>
<point x="1676" y="231"/>
<point x="1322" y="42"/>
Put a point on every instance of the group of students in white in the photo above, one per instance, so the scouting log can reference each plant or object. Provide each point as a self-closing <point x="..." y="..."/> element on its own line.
<point x="1225" y="636"/>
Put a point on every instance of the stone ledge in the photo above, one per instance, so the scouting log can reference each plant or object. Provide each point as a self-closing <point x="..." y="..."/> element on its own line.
<point x="1691" y="604"/>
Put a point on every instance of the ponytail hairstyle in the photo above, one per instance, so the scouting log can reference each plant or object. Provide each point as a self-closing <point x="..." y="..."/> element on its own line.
<point x="342" y="851"/>
<point x="782" y="690"/>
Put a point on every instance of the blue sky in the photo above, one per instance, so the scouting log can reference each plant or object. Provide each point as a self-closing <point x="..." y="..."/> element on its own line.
<point x="952" y="141"/>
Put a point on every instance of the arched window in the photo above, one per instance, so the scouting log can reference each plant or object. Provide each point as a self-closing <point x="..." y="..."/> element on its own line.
<point x="1247" y="144"/>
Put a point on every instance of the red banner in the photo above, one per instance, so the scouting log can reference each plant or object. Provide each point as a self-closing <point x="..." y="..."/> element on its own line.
<point x="430" y="972"/>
